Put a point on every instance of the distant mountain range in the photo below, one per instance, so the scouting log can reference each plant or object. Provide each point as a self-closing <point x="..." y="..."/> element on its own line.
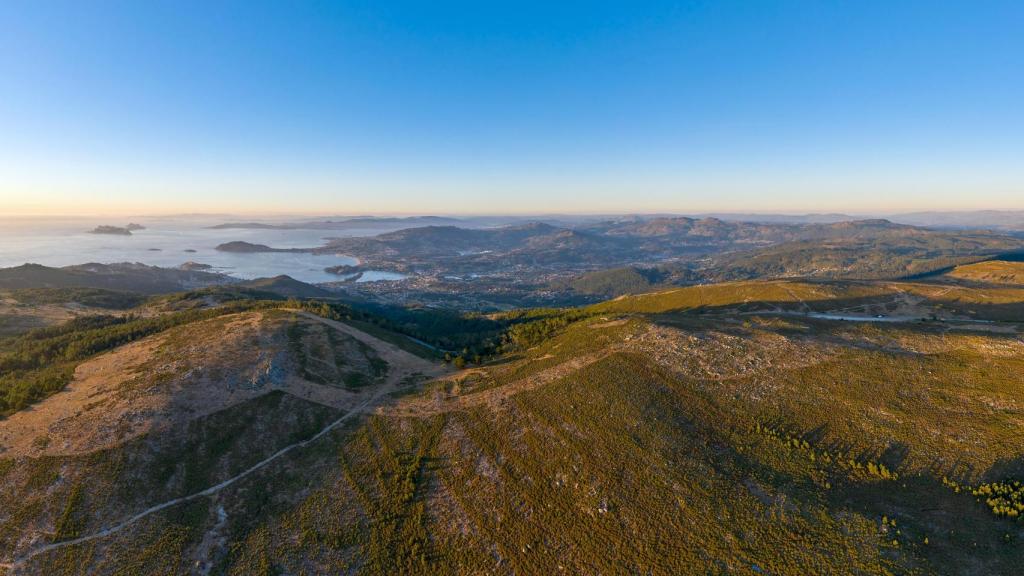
<point x="711" y="246"/>
<point x="346" y="224"/>
<point x="988" y="219"/>
<point x="980" y="219"/>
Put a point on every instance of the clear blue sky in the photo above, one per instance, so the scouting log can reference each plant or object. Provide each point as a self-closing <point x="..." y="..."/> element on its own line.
<point x="372" y="107"/>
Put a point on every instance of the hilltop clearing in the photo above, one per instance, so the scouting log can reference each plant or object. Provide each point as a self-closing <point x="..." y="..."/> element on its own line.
<point x="26" y="309"/>
<point x="159" y="382"/>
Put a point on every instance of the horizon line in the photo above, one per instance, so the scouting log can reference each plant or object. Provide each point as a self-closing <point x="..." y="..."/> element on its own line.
<point x="511" y="214"/>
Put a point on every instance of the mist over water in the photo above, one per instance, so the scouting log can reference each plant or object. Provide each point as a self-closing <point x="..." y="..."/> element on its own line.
<point x="164" y="242"/>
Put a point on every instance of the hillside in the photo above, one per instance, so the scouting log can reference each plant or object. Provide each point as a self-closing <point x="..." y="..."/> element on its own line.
<point x="783" y="427"/>
<point x="990" y="272"/>
<point x="160" y="427"/>
<point x="123" y="277"/>
<point x="25" y="309"/>
<point x="287" y="287"/>
<point x="556" y="263"/>
<point x="614" y="282"/>
<point x="876" y="252"/>
<point x="164" y="380"/>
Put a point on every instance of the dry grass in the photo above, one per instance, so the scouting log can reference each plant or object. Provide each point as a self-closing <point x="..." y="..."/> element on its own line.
<point x="992" y="272"/>
<point x="644" y="437"/>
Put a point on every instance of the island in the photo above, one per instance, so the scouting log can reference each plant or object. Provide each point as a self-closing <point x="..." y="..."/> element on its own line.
<point x="343" y="269"/>
<point x="190" y="265"/>
<point x="241" y="247"/>
<point x="113" y="230"/>
<point x="133" y="227"/>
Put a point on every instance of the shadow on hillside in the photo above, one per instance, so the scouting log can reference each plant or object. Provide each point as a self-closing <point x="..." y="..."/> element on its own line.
<point x="931" y="310"/>
<point x="1005" y="469"/>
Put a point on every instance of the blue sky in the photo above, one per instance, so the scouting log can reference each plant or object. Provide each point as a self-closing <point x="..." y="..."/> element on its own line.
<point x="526" y="107"/>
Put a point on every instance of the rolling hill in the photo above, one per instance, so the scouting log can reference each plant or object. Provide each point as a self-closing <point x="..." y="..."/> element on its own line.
<point x="181" y="416"/>
<point x="881" y="251"/>
<point x="779" y="427"/>
<point x="287" y="287"/>
<point x="123" y="277"/>
<point x="990" y="272"/>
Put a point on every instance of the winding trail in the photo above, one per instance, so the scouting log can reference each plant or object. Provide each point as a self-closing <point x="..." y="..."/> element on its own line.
<point x="401" y="364"/>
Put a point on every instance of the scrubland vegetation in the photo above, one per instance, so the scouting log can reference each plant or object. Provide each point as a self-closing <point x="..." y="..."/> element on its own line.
<point x="709" y="429"/>
<point x="89" y="297"/>
<point x="42" y="362"/>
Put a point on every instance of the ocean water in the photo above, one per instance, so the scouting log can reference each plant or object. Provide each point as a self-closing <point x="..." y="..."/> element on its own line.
<point x="165" y="242"/>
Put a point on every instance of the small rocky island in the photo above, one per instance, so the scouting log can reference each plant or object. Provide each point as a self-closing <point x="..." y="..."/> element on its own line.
<point x="192" y="266"/>
<point x="112" y="230"/>
<point x="133" y="227"/>
<point x="344" y="269"/>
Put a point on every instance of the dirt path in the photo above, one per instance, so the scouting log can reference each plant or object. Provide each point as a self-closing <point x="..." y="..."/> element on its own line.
<point x="399" y="360"/>
<point x="438" y="403"/>
<point x="797" y="298"/>
<point x="401" y="365"/>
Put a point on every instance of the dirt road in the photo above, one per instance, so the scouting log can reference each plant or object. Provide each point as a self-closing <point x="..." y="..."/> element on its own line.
<point x="401" y="364"/>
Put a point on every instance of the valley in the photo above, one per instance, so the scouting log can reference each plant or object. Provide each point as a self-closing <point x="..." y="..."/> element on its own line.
<point x="537" y="263"/>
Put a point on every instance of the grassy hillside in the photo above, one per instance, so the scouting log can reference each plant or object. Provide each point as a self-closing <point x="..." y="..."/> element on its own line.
<point x="119" y="277"/>
<point x="991" y="272"/>
<point x="735" y="428"/>
<point x="25" y="309"/>
<point x="887" y="252"/>
<point x="287" y="287"/>
<point x="85" y="297"/>
<point x="615" y="282"/>
<point x="744" y="295"/>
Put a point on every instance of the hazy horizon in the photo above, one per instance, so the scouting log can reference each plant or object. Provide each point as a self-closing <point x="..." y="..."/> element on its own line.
<point x="270" y="216"/>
